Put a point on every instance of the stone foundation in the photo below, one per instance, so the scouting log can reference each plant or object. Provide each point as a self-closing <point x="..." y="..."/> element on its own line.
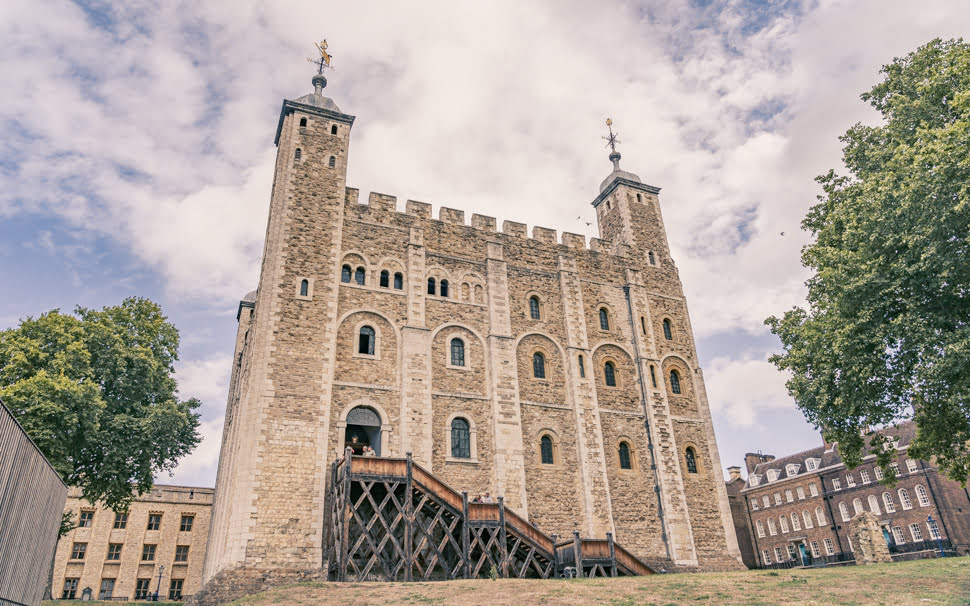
<point x="238" y="582"/>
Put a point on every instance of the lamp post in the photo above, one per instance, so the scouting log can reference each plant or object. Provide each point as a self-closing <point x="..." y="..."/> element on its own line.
<point x="939" y="541"/>
<point x="158" y="587"/>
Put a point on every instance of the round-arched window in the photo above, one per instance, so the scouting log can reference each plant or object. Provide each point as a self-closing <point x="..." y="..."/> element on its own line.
<point x="690" y="460"/>
<point x="609" y="374"/>
<point x="625" y="462"/>
<point x="457" y="352"/>
<point x="546" y="451"/>
<point x="460" y="439"/>
<point x="365" y="342"/>
<point x="538" y="366"/>
<point x="674" y="381"/>
<point x="534" y="307"/>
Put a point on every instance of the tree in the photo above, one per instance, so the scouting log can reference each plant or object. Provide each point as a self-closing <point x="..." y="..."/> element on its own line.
<point x="96" y="393"/>
<point x="886" y="336"/>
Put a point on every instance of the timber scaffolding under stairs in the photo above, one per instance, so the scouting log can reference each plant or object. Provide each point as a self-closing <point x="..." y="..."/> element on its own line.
<point x="390" y="520"/>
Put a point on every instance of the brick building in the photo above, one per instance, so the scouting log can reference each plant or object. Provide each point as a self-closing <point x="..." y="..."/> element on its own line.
<point x="119" y="555"/>
<point x="559" y="375"/>
<point x="797" y="508"/>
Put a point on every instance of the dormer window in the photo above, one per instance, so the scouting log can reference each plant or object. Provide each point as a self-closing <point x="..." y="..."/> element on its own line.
<point x="754" y="479"/>
<point x="791" y="469"/>
<point x="811" y="464"/>
<point x="773" y="475"/>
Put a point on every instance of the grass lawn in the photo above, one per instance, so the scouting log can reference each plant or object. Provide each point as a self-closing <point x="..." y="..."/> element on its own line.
<point x="923" y="582"/>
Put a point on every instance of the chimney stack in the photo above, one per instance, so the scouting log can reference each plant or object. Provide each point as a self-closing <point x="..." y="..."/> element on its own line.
<point x="753" y="459"/>
<point x="735" y="472"/>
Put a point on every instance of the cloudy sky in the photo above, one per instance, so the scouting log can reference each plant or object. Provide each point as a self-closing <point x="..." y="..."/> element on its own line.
<point x="137" y="149"/>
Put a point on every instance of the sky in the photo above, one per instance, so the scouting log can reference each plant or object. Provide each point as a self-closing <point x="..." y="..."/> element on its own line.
<point x="137" y="150"/>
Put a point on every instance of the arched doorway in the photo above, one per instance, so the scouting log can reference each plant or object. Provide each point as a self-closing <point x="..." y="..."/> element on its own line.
<point x="363" y="428"/>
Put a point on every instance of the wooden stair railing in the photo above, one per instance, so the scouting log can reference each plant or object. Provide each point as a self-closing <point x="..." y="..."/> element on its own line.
<point x="390" y="519"/>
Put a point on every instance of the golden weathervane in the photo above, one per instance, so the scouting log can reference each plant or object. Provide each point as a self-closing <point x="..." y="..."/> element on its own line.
<point x="324" y="60"/>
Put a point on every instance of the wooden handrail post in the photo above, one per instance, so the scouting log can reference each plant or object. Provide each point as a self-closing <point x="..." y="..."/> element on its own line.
<point x="408" y="522"/>
<point x="466" y="557"/>
<point x="609" y="539"/>
<point x="578" y="552"/>
<point x="555" y="556"/>
<point x="504" y="538"/>
<point x="345" y="516"/>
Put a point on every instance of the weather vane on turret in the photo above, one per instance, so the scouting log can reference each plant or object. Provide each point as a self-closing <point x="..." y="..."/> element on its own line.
<point x="612" y="140"/>
<point x="324" y="60"/>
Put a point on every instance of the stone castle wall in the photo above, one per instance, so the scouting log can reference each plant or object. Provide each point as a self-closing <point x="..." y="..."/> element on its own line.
<point x="299" y="371"/>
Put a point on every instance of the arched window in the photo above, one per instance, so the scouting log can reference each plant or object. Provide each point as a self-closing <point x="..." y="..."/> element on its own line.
<point x="359" y="276"/>
<point x="691" y="460"/>
<point x="604" y="319"/>
<point x="807" y="518"/>
<point x="534" y="308"/>
<point x="365" y="343"/>
<point x="904" y="499"/>
<point x="674" y="381"/>
<point x="298" y="155"/>
<point x="643" y="325"/>
<point x="538" y="366"/>
<point x="820" y="516"/>
<point x="638" y="198"/>
<point x="398" y="281"/>
<point x="302" y="122"/>
<point x="333" y="129"/>
<point x="625" y="462"/>
<point x="582" y="369"/>
<point x="653" y="377"/>
<point x="304" y="287"/>
<point x="761" y="529"/>
<point x="783" y="523"/>
<point x="874" y="504"/>
<point x="922" y="496"/>
<point x="345" y="273"/>
<point x="771" y="527"/>
<point x="887" y="501"/>
<point x="460" y="439"/>
<point x="333" y="162"/>
<point x="609" y="374"/>
<point x="796" y="524"/>
<point x="444" y="288"/>
<point x="668" y="334"/>
<point x="546" y="451"/>
<point x="844" y="510"/>
<point x="385" y="278"/>
<point x="431" y="285"/>
<point x="653" y="259"/>
<point x="857" y="506"/>
<point x="457" y="352"/>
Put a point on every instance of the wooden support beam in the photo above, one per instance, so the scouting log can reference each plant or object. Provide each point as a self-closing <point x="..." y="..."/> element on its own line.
<point x="555" y="556"/>
<point x="578" y="553"/>
<point x="408" y="522"/>
<point x="345" y="517"/>
<point x="503" y="539"/>
<point x="465" y="555"/>
<point x="609" y="539"/>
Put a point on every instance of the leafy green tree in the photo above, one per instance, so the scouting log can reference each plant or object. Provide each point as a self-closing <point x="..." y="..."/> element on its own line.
<point x="886" y="336"/>
<point x="96" y="392"/>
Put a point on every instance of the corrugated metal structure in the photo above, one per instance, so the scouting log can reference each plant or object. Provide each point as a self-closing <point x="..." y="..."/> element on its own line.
<point x="32" y="498"/>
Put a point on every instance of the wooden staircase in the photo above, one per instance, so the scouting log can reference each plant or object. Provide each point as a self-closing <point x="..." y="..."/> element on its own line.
<point x="390" y="520"/>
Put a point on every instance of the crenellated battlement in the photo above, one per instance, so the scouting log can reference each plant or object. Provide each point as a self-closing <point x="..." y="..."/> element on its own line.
<point x="483" y="223"/>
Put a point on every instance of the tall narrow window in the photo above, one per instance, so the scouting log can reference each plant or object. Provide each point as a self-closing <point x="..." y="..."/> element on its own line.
<point x="385" y="278"/>
<point x="609" y="373"/>
<point x="604" y="319"/>
<point x="653" y="377"/>
<point x="431" y="286"/>
<point x="444" y="288"/>
<point x="582" y="369"/>
<point x="844" y="511"/>
<point x="333" y="162"/>
<point x="643" y="325"/>
<point x="674" y="381"/>
<point x="922" y="496"/>
<point x="538" y="366"/>
<point x="460" y="439"/>
<point x="302" y="122"/>
<point x="857" y="506"/>
<point x="887" y="500"/>
<point x="904" y="499"/>
<point x="304" y="287"/>
<point x="333" y="129"/>
<point x="345" y="273"/>
<point x="653" y="260"/>
<point x="545" y="450"/>
<point x="625" y="456"/>
<point x="534" y="308"/>
<point x="874" y="504"/>
<point x="457" y="352"/>
<point x="668" y="334"/>
<point x="691" y="460"/>
<point x="359" y="276"/>
<point x="398" y="281"/>
<point x="820" y="516"/>
<point x="298" y="155"/>
<point x="366" y="343"/>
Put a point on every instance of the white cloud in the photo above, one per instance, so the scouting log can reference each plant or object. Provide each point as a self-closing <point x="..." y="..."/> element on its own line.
<point x="745" y="388"/>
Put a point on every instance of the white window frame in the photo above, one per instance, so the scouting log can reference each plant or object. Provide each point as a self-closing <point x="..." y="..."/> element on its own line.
<point x="807" y="519"/>
<point x="771" y="527"/>
<point x="813" y="490"/>
<point x="779" y="555"/>
<point x="934" y="529"/>
<point x="857" y="506"/>
<point x="820" y="516"/>
<point x="754" y="503"/>
<point x="783" y="523"/>
<point x="874" y="504"/>
<point x="800" y="492"/>
<point x="792" y="552"/>
<point x="904" y="499"/>
<point x="879" y="474"/>
<point x="849" y="480"/>
<point x="754" y="479"/>
<point x="811" y="464"/>
<point x="816" y="552"/>
<point x="792" y="469"/>
<point x="898" y="535"/>
<point x="922" y="496"/>
<point x="796" y="524"/>
<point x="844" y="510"/>
<point x="767" y="556"/>
<point x="772" y="475"/>
<point x="766" y="501"/>
<point x="829" y="546"/>
<point x="888" y="503"/>
<point x="789" y="497"/>
<point x="761" y="529"/>
<point x="777" y="498"/>
<point x="836" y="484"/>
<point x="911" y="466"/>
<point x="864" y="476"/>
<point x="916" y="532"/>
